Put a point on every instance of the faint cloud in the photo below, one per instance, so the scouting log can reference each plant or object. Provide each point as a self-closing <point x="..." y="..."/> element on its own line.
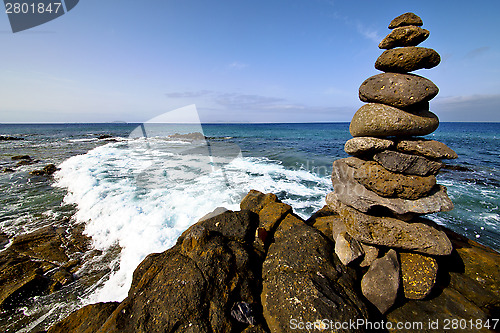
<point x="188" y="94"/>
<point x="477" y="107"/>
<point x="477" y="52"/>
<point x="367" y="32"/>
<point x="246" y="101"/>
<point x="237" y="65"/>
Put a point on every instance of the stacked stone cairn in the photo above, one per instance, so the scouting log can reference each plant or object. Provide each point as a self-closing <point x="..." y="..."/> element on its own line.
<point x="389" y="182"/>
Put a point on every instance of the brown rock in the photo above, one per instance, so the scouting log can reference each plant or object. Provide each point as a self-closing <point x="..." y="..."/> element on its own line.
<point x="371" y="253"/>
<point x="407" y="164"/>
<point x="366" y="145"/>
<point x="44" y="244"/>
<point x="86" y="320"/>
<point x="380" y="284"/>
<point x="404" y="36"/>
<point x="347" y="248"/>
<point x="398" y="90"/>
<point x="255" y="200"/>
<point x="418" y="274"/>
<point x="382" y="120"/>
<point x="273" y="213"/>
<point x="427" y="148"/>
<point x="406" y="19"/>
<point x="419" y="235"/>
<point x="386" y="183"/>
<point x="407" y="59"/>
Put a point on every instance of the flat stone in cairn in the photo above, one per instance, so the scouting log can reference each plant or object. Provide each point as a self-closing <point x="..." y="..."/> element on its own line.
<point x="419" y="235"/>
<point x="366" y="145"/>
<point x="406" y="19"/>
<point x="398" y="90"/>
<point x="404" y="36"/>
<point x="375" y="119"/>
<point x="380" y="284"/>
<point x="407" y="164"/>
<point x="418" y="274"/>
<point x="386" y="183"/>
<point x="427" y="148"/>
<point x="407" y="59"/>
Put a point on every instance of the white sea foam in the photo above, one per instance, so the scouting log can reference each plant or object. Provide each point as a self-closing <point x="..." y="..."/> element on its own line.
<point x="143" y="194"/>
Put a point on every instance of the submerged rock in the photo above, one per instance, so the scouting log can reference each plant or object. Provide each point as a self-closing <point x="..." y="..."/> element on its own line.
<point x="47" y="170"/>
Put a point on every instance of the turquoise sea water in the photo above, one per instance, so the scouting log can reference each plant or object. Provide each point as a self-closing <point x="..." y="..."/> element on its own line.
<point x="139" y="190"/>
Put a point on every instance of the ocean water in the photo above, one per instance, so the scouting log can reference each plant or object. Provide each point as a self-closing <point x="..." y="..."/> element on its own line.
<point x="138" y="190"/>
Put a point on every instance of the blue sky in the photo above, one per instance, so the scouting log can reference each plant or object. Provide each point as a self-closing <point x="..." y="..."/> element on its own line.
<point x="238" y="60"/>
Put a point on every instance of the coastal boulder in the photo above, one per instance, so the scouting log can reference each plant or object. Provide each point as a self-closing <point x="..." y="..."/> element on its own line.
<point x="380" y="284"/>
<point x="374" y="119"/>
<point x="409" y="35"/>
<point x="407" y="164"/>
<point x="301" y="282"/>
<point x="407" y="59"/>
<point x="398" y="90"/>
<point x="88" y="319"/>
<point x="366" y="145"/>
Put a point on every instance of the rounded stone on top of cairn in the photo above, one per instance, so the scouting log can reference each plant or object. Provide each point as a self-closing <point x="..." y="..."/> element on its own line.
<point x="374" y="207"/>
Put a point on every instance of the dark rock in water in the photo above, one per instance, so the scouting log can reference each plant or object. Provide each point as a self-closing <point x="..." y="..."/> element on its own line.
<point x="189" y="136"/>
<point x="59" y="279"/>
<point x="243" y="313"/>
<point x="88" y="319"/>
<point x="380" y="284"/>
<point x="427" y="148"/>
<point x="46" y="171"/>
<point x="44" y="244"/>
<point x="456" y="167"/>
<point x="302" y="283"/>
<point x="20" y="278"/>
<point x="381" y="120"/>
<point x="418" y="274"/>
<point x="8" y="170"/>
<point x="469" y="292"/>
<point x="25" y="162"/>
<point x="255" y="200"/>
<point x="407" y="164"/>
<point x="404" y="36"/>
<point x="398" y="90"/>
<point x="4" y="240"/>
<point x="406" y="19"/>
<point x="386" y="183"/>
<point x="419" y="235"/>
<point x="407" y="59"/>
<point x="104" y="136"/>
<point x="9" y="138"/>
<point x="20" y="157"/>
<point x="366" y="145"/>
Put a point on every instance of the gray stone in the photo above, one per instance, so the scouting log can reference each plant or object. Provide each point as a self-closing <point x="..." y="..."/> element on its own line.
<point x="375" y="119"/>
<point x="366" y="145"/>
<point x="407" y="59"/>
<point x="407" y="164"/>
<point x="427" y="148"/>
<point x="406" y="19"/>
<point x="348" y="191"/>
<point x="386" y="183"/>
<point x="215" y="212"/>
<point x="398" y="90"/>
<point x="380" y="284"/>
<point x="371" y="253"/>
<point x="419" y="235"/>
<point x="347" y="248"/>
<point x="418" y="274"/>
<point x="404" y="36"/>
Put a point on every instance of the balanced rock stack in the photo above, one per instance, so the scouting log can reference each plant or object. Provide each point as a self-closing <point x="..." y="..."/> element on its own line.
<point x="381" y="191"/>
